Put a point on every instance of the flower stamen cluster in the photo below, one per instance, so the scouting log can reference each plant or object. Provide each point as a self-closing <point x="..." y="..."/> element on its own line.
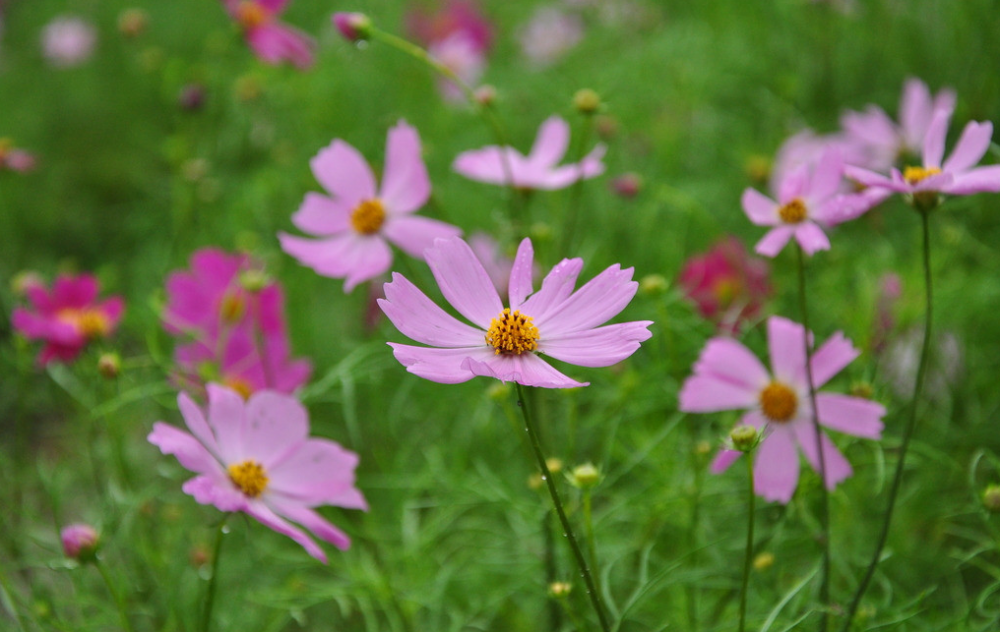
<point x="368" y="216"/>
<point x="512" y="333"/>
<point x="914" y="175"/>
<point x="249" y="476"/>
<point x="794" y="212"/>
<point x="251" y="15"/>
<point x="778" y="402"/>
<point x="91" y="323"/>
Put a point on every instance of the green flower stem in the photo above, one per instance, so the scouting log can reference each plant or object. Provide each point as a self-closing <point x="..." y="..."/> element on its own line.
<point x="8" y="597"/>
<point x="911" y="423"/>
<point x="824" y="514"/>
<point x="588" y="526"/>
<point x="581" y="562"/>
<point x="119" y="600"/>
<point x="206" y="614"/>
<point x="748" y="555"/>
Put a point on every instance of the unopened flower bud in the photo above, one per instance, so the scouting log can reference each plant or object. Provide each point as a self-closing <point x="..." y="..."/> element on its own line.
<point x="355" y="27"/>
<point x="80" y="542"/>
<point x="554" y="464"/>
<point x="585" y="476"/>
<point x="607" y="126"/>
<point x="485" y="94"/>
<point x="991" y="498"/>
<point x="744" y="438"/>
<point x="132" y="22"/>
<point x="559" y="590"/>
<point x="758" y="169"/>
<point x="109" y="365"/>
<point x="763" y="561"/>
<point x="586" y="101"/>
<point x="862" y="389"/>
<point x="653" y="284"/>
<point x="191" y="97"/>
<point x="498" y="391"/>
<point x="627" y="185"/>
<point x="254" y="280"/>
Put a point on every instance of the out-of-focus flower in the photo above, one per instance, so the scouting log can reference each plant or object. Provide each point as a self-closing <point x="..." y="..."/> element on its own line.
<point x="627" y="185"/>
<point x="257" y="457"/>
<point x="79" y="541"/>
<point x="890" y="289"/>
<point x="458" y="53"/>
<point x="728" y="285"/>
<point x="550" y="34"/>
<point x="191" y="97"/>
<point x="68" y="41"/>
<point x="355" y="27"/>
<point x="359" y="222"/>
<point x="497" y="264"/>
<point x="68" y="317"/>
<point x="233" y="317"/>
<point x="901" y="359"/>
<point x="727" y="376"/>
<point x="806" y="148"/>
<point x="132" y="22"/>
<point x="272" y="41"/>
<point x="15" y="159"/>
<point x="538" y="169"/>
<point x="885" y="142"/>
<point x="457" y="35"/>
<point x="507" y="343"/>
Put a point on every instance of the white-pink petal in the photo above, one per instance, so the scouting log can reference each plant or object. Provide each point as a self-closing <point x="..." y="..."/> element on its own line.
<point x="343" y="171"/>
<point x="762" y="210"/>
<point x="321" y="215"/>
<point x="227" y="419"/>
<point x="836" y="353"/>
<point x="836" y="466"/>
<point x="776" y="472"/>
<point x="599" y="300"/>
<point x="811" y="237"/>
<point x="527" y="369"/>
<point x="405" y="184"/>
<point x="414" y="234"/>
<point x="775" y="239"/>
<point x="971" y="147"/>
<point x="550" y="143"/>
<point x="851" y="415"/>
<point x="787" y="350"/>
<point x="557" y="286"/>
<point x="520" y="284"/>
<point x="275" y="424"/>
<point x="266" y="516"/>
<point x="463" y="281"/>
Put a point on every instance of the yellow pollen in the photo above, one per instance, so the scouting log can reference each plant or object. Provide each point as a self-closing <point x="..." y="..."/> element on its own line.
<point x="368" y="216"/>
<point x="239" y="385"/>
<point x="250" y="477"/>
<point x="794" y="212"/>
<point x="250" y="15"/>
<point x="512" y="333"/>
<point x="914" y="175"/>
<point x="232" y="307"/>
<point x="91" y="323"/>
<point x="778" y="402"/>
<point x="726" y="289"/>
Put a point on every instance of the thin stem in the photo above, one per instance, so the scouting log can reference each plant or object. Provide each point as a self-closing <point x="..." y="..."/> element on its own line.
<point x="119" y="600"/>
<point x="551" y="572"/>
<point x="588" y="526"/>
<point x="206" y="615"/>
<point x="911" y="423"/>
<point x="748" y="555"/>
<point x="9" y="597"/>
<point x="824" y="515"/>
<point x="581" y="562"/>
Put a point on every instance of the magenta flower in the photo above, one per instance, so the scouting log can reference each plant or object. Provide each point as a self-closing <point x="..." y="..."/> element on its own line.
<point x="728" y="285"/>
<point x="538" y="170"/>
<point x="727" y="376"/>
<point x="958" y="175"/>
<point x="359" y="222"/>
<point x="507" y="342"/>
<point x="272" y="41"/>
<point x="68" y="317"/>
<point x="257" y="457"/>
<point x="79" y="541"/>
<point x="233" y="317"/>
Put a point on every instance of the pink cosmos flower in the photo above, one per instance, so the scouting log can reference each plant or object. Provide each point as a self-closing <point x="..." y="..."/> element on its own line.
<point x="507" y="343"/>
<point x="728" y="285"/>
<point x="957" y="175"/>
<point x="455" y="16"/>
<point x="256" y="457"/>
<point x="13" y="158"/>
<point x="272" y="41"/>
<point x="233" y="317"/>
<point x="459" y="53"/>
<point x="359" y="222"/>
<point x="538" y="169"/>
<point x="549" y="35"/>
<point x="79" y="541"/>
<point x="806" y="147"/>
<point x="68" y="317"/>
<point x="727" y="376"/>
<point x="68" y="41"/>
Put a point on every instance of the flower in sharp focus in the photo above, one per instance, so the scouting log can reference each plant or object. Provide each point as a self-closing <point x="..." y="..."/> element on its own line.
<point x="359" y="222"/>
<point x="727" y="376"/>
<point x="272" y="41"/>
<point x="256" y="456"/>
<point x="507" y="343"/>
<point x="68" y="41"/>
<point x="728" y="285"/>
<point x="68" y="317"/>
<point x="538" y="169"/>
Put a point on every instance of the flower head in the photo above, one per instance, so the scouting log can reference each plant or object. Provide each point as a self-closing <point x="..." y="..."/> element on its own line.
<point x="550" y="34"/>
<point x="256" y="456"/>
<point x="507" y="343"/>
<point x="727" y="376"/>
<point x="355" y="27"/>
<point x="14" y="158"/>
<point x="460" y="54"/>
<point x="538" y="169"/>
<point x="272" y="41"/>
<point x="79" y="541"/>
<point x="68" y="317"/>
<point x="359" y="222"/>
<point x="68" y="41"/>
<point x="458" y="36"/>
<point x="728" y="285"/>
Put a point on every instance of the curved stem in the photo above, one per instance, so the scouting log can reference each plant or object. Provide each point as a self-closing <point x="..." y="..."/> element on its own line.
<point x="748" y="555"/>
<point x="911" y="423"/>
<point x="824" y="515"/>
<point x="119" y="601"/>
<point x="581" y="562"/>
<point x="206" y="614"/>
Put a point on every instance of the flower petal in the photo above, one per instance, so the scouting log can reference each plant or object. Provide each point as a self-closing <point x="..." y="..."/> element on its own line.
<point x="216" y="491"/>
<point x="419" y="318"/>
<point x="444" y="366"/>
<point x="311" y="520"/>
<point x="356" y="257"/>
<point x="550" y="144"/>
<point x="827" y="176"/>
<point x="598" y="347"/>
<point x="731" y="366"/>
<point x="275" y="424"/>
<point x="526" y="369"/>
<point x="557" y="286"/>
<point x="519" y="286"/>
<point x="463" y="281"/>
<point x="811" y="237"/>
<point x="852" y="415"/>
<point x="794" y="184"/>
<point x="263" y="514"/>
<point x="762" y="210"/>
<point x="775" y="239"/>
<point x="981" y="180"/>
<point x="934" y="140"/>
<point x="723" y="460"/>
<point x="344" y="172"/>
<point x="600" y="299"/>
<point x="787" y="349"/>
<point x="971" y="147"/>
<point x="276" y="42"/>
<point x="321" y="215"/>
<point x="196" y="423"/>
<point x="776" y="473"/>
<point x="226" y="416"/>
<point x="487" y="164"/>
<point x="189" y="451"/>
<point x="317" y="471"/>
<point x="414" y="234"/>
<point x="405" y="184"/>
<point x="827" y="361"/>
<point x="836" y="466"/>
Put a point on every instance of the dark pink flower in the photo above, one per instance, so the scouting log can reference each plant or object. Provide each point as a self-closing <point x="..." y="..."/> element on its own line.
<point x="79" y="541"/>
<point x="68" y="317"/>
<point x="727" y="284"/>
<point x="272" y="41"/>
<point x="355" y="27"/>
<point x="256" y="456"/>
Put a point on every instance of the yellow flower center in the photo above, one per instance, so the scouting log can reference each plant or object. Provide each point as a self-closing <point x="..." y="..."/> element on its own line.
<point x="249" y="476"/>
<point x="239" y="385"/>
<point x="368" y="216"/>
<point x="726" y="289"/>
<point x="512" y="333"/>
<point x="91" y="323"/>
<point x="794" y="212"/>
<point x="250" y="15"/>
<point x="232" y="307"/>
<point x="914" y="175"/>
<point x="778" y="402"/>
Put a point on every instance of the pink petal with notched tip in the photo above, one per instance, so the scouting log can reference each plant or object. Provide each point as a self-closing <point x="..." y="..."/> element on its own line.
<point x="776" y="472"/>
<point x="598" y="347"/>
<point x="762" y="210"/>
<point x="487" y="165"/>
<point x="263" y="514"/>
<point x="787" y="351"/>
<point x="196" y="422"/>
<point x="557" y="286"/>
<point x="526" y="369"/>
<point x="321" y="215"/>
<point x="794" y="184"/>
<point x="934" y="140"/>
<point x="811" y="237"/>
<point x="215" y="490"/>
<point x="189" y="451"/>
<point x="226" y="418"/>
<point x="836" y="466"/>
<point x="405" y="184"/>
<point x="356" y="257"/>
<point x="597" y="301"/>
<point x="775" y="239"/>
<point x="420" y="319"/>
<point x="463" y="281"/>
<point x="561" y="177"/>
<point x="852" y="415"/>
<point x="729" y="361"/>
<point x="342" y="171"/>
<point x="414" y="234"/>
<point x="519" y="285"/>
<point x="971" y="147"/>
<point x="827" y="361"/>
<point x="708" y="394"/>
<point x="311" y="520"/>
<point x="314" y="472"/>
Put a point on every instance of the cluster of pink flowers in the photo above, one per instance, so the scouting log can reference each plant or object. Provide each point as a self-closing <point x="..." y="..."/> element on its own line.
<point x="458" y="36"/>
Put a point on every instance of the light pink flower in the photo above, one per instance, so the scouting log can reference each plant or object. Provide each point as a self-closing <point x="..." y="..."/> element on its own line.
<point x="79" y="541"/>
<point x="728" y="285"/>
<point x="507" y="343"/>
<point x="14" y="158"/>
<point x="550" y="34"/>
<point x="458" y="52"/>
<point x="455" y="16"/>
<point x="538" y="169"/>
<point x="359" y="222"/>
<point x="806" y="147"/>
<point x="727" y="376"/>
<point x="68" y="41"/>
<point x="68" y="317"/>
<point x="272" y="41"/>
<point x="256" y="457"/>
<point x="958" y="175"/>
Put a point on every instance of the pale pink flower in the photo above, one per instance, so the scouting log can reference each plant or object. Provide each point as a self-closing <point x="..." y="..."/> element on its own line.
<point x="79" y="541"/>
<point x="507" y="343"/>
<point x="68" y="41"/>
<point x="68" y="317"/>
<point x="459" y="53"/>
<point x="455" y="16"/>
<point x="359" y="222"/>
<point x="256" y="456"/>
<point x="272" y="41"/>
<point x="538" y="169"/>
<point x="14" y="158"/>
<point x="550" y="34"/>
<point x="727" y="376"/>
<point x="727" y="284"/>
<point x="806" y="147"/>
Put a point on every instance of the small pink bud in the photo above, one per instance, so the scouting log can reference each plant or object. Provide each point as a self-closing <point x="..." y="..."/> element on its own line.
<point x="356" y="27"/>
<point x="80" y="541"/>
<point x="627" y="185"/>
